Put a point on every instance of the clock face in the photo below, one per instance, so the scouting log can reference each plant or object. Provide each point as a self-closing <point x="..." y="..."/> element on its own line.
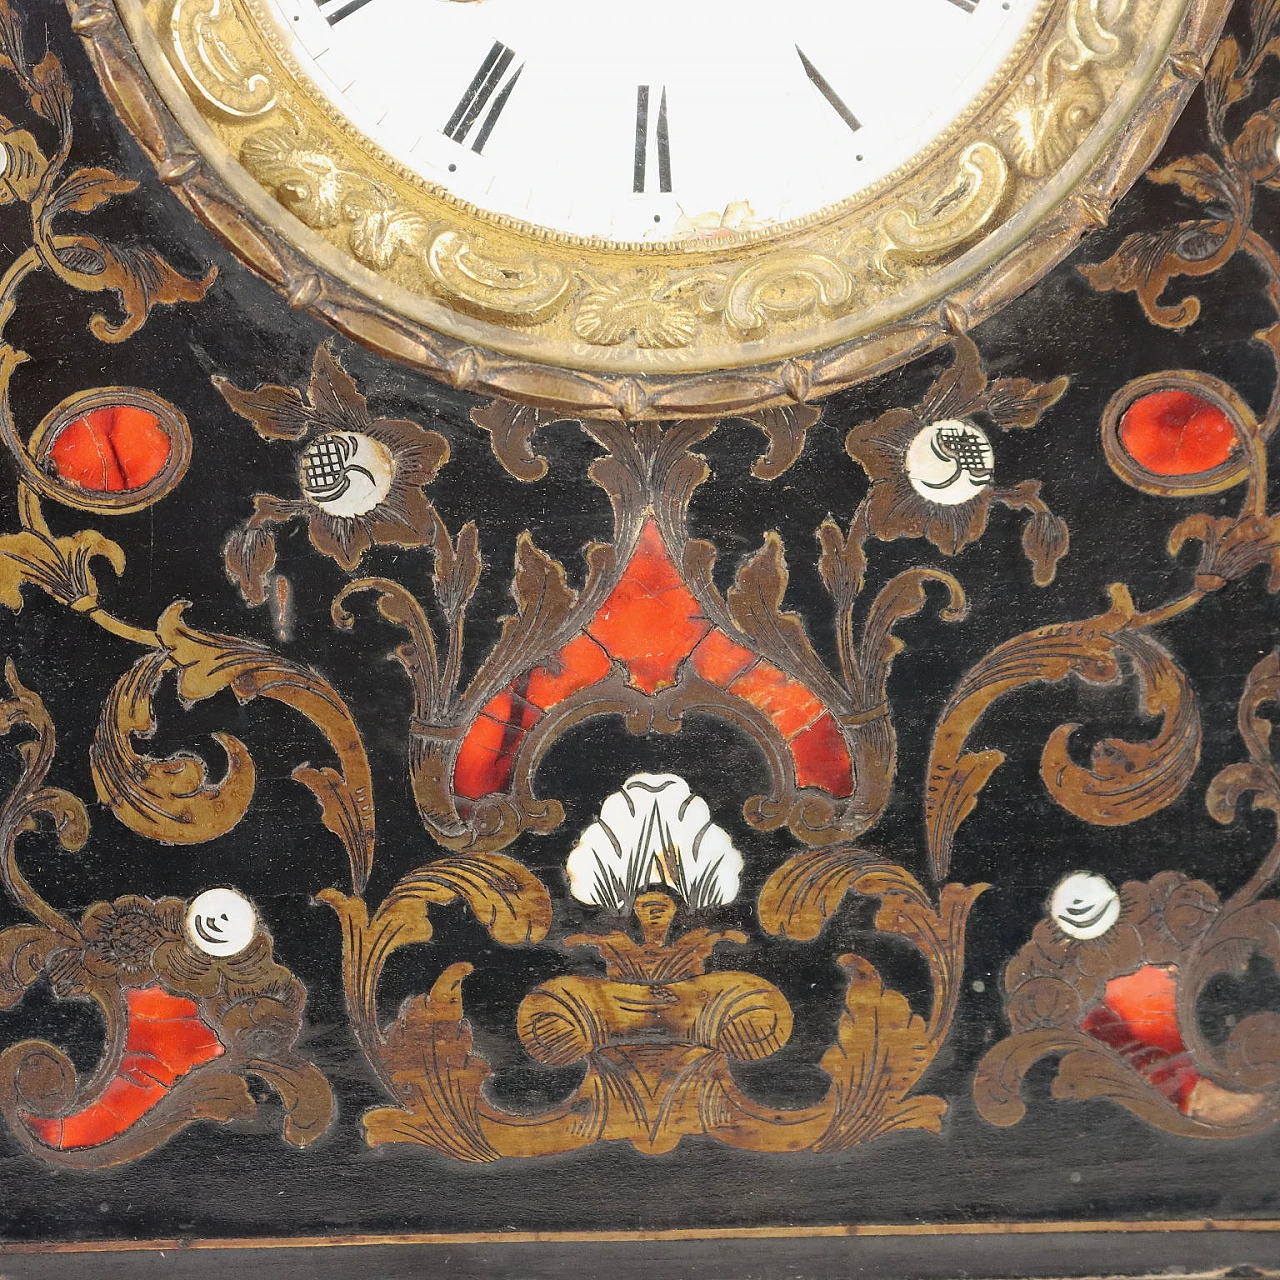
<point x="700" y="121"/>
<point x="694" y="207"/>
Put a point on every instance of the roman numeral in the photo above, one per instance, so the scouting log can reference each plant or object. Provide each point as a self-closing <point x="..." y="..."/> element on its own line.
<point x="969" y="6"/>
<point x="820" y="83"/>
<point x="333" y="11"/>
<point x="661" y="140"/>
<point x="488" y="92"/>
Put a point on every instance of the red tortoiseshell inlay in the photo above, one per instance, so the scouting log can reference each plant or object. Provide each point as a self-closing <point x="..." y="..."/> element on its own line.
<point x="821" y="758"/>
<point x="112" y="449"/>
<point x="651" y="624"/>
<point x="786" y="702"/>
<point x="719" y="661"/>
<point x="818" y="751"/>
<point x="1138" y="1018"/>
<point x="488" y="753"/>
<point x="165" y="1040"/>
<point x="1177" y="433"/>
<point x="580" y="663"/>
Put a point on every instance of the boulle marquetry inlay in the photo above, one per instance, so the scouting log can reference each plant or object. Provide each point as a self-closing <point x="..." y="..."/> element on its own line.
<point x="419" y="804"/>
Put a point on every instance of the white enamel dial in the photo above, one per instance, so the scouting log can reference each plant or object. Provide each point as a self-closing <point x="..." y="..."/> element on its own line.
<point x="674" y="120"/>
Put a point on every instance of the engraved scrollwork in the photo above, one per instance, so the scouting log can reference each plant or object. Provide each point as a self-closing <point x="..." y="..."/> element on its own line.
<point x="1126" y="781"/>
<point x="188" y="1014"/>
<point x="657" y="1034"/>
<point x="649" y="631"/>
<point x="1115" y="982"/>
<point x="187" y="1017"/>
<point x="211" y="66"/>
<point x="948" y="217"/>
<point x="1052" y="111"/>
<point x="1070" y="991"/>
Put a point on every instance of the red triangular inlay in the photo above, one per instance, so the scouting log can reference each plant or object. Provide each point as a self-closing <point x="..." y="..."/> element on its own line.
<point x="650" y="622"/>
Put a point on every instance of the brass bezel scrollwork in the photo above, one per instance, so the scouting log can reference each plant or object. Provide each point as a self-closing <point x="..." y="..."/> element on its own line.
<point x="664" y="330"/>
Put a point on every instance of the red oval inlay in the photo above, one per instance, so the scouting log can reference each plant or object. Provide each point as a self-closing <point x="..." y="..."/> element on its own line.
<point x="112" y="450"/>
<point x="1177" y="433"/>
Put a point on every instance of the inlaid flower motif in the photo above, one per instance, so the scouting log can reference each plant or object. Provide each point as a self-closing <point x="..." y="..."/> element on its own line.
<point x="1093" y="931"/>
<point x="121" y="940"/>
<point x="654" y="832"/>
<point x="360" y="478"/>
<point x="934" y="468"/>
<point x="135" y="941"/>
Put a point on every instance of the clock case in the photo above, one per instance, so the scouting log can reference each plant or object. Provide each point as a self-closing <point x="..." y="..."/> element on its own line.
<point x="1075" y="1187"/>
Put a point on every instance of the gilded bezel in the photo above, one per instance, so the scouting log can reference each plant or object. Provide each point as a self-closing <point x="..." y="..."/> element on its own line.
<point x="664" y="330"/>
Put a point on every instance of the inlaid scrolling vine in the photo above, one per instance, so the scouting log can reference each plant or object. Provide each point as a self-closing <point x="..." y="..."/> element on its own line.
<point x="1071" y="992"/>
<point x="191" y="992"/>
<point x="184" y="1024"/>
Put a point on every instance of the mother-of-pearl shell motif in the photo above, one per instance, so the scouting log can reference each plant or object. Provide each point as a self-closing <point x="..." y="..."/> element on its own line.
<point x="654" y="831"/>
<point x="221" y="922"/>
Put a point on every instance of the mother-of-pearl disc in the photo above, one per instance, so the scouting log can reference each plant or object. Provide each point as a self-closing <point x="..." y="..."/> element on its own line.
<point x="221" y="922"/>
<point x="1085" y="905"/>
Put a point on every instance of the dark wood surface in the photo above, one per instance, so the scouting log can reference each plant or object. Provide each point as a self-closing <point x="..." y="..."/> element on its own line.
<point x="1231" y="1255"/>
